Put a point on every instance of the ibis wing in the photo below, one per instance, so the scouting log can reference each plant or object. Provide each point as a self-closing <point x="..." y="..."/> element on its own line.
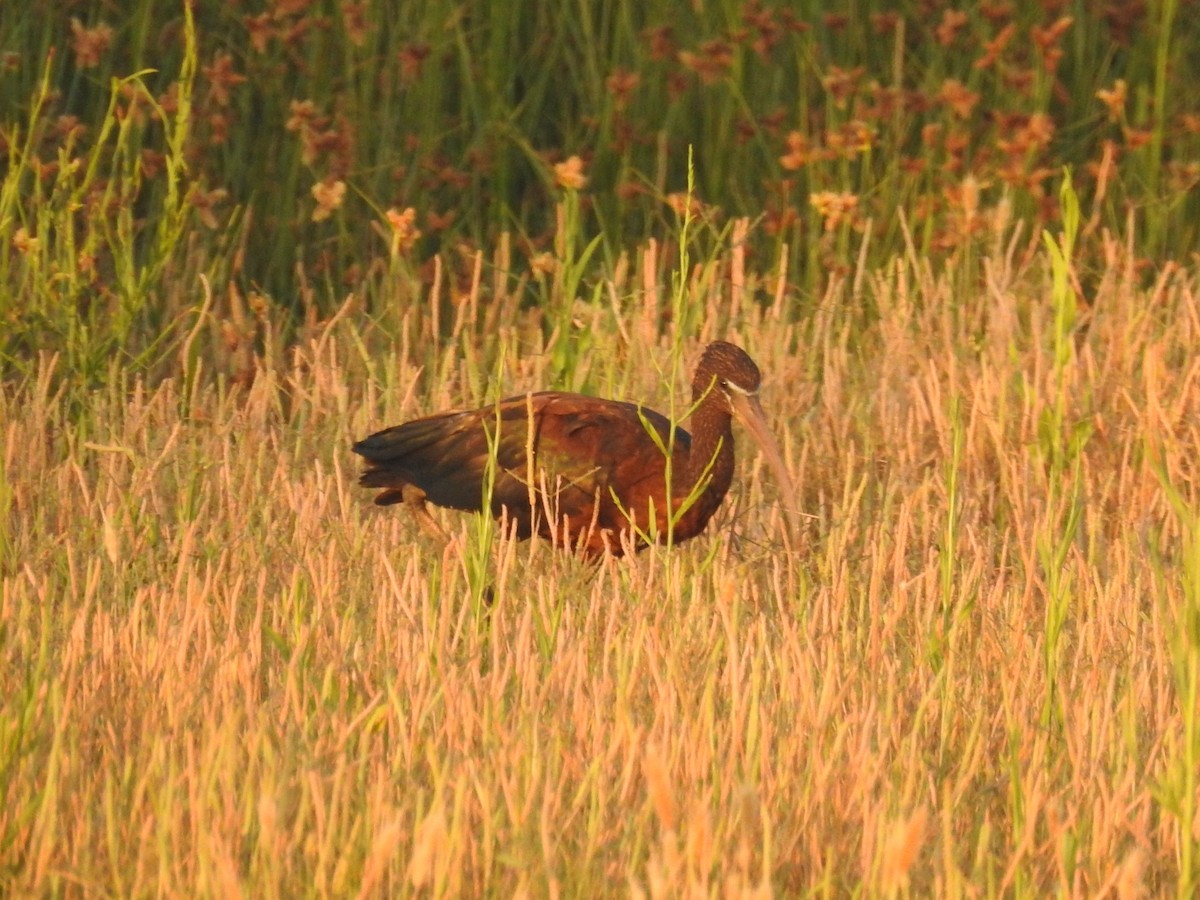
<point x="591" y="459"/>
<point x="596" y="459"/>
<point x="446" y="456"/>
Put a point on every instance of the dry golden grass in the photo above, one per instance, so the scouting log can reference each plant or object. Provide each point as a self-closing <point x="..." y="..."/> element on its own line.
<point x="226" y="673"/>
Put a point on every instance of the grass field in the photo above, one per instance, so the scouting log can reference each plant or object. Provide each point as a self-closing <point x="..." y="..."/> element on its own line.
<point x="228" y="673"/>
<point x="961" y="248"/>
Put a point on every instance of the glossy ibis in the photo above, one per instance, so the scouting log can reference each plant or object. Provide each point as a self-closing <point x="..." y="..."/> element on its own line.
<point x="579" y="466"/>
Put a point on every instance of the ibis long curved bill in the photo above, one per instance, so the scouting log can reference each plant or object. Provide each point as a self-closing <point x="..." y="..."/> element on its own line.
<point x="748" y="410"/>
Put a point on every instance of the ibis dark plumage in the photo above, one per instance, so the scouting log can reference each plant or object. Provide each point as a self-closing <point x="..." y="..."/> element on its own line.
<point x="578" y="467"/>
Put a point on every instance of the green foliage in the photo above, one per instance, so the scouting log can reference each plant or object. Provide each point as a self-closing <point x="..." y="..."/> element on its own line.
<point x="263" y="146"/>
<point x="93" y="244"/>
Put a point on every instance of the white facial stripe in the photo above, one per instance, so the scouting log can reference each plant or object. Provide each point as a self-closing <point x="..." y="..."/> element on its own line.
<point x="739" y="389"/>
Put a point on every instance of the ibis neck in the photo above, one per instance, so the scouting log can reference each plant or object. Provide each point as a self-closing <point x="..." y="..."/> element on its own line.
<point x="711" y="453"/>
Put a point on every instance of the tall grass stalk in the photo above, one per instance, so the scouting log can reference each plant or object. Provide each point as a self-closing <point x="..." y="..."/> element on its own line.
<point x="571" y="343"/>
<point x="1062" y="441"/>
<point x="1179" y="783"/>
<point x="951" y="581"/>
<point x="1164" y="53"/>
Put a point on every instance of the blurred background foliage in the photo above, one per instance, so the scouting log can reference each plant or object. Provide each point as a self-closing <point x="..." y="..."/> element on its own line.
<point x="301" y="150"/>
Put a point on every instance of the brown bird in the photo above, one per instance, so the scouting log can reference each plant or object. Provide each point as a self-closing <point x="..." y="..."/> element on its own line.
<point x="593" y="472"/>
